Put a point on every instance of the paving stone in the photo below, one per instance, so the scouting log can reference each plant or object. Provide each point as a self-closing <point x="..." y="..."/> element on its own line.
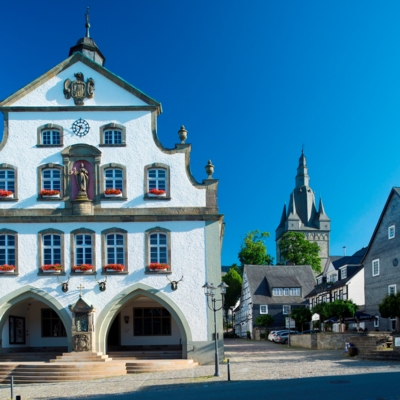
<point x="249" y="360"/>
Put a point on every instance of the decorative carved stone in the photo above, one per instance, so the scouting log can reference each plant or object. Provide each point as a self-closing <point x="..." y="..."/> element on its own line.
<point x="81" y="342"/>
<point x="209" y="169"/>
<point x="78" y="89"/>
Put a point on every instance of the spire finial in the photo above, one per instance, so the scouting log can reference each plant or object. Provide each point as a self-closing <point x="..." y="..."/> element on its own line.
<point x="302" y="148"/>
<point x="87" y="25"/>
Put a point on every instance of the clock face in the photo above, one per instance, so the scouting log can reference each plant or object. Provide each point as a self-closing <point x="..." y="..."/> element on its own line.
<point x="80" y="127"/>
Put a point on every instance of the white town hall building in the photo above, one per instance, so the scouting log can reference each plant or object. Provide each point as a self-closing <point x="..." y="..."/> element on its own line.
<point x="92" y="204"/>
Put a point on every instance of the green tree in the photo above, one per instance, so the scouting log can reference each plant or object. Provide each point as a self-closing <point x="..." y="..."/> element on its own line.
<point x="233" y="279"/>
<point x="264" y="320"/>
<point x="294" y="247"/>
<point x="301" y="315"/>
<point x="320" y="309"/>
<point x="338" y="308"/>
<point x="254" y="250"/>
<point x="390" y="306"/>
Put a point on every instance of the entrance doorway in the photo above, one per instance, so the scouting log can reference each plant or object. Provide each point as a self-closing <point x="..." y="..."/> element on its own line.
<point x="114" y="335"/>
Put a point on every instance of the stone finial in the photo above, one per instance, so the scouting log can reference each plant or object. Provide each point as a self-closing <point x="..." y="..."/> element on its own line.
<point x="209" y="169"/>
<point x="182" y="134"/>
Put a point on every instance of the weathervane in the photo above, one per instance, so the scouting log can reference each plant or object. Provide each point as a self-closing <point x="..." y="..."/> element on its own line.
<point x="87" y="22"/>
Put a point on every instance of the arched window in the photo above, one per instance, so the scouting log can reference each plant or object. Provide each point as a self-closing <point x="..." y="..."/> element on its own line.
<point x="51" y="251"/>
<point x="158" y="250"/>
<point x="112" y="135"/>
<point x="8" y="182"/>
<point x="50" y="182"/>
<point x="50" y="135"/>
<point x="115" y="255"/>
<point x="157" y="182"/>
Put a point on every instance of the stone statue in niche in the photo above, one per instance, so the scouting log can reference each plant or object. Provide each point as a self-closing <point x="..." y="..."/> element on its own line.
<point x="82" y="180"/>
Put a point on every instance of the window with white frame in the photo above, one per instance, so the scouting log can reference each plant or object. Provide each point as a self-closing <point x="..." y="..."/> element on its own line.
<point x="392" y="289"/>
<point x="158" y="248"/>
<point x="277" y="291"/>
<point x="51" y="179"/>
<point x="7" y="179"/>
<point x="263" y="309"/>
<point x="113" y="178"/>
<point x="295" y="292"/>
<point x="7" y="249"/>
<point x="51" y="247"/>
<point x="319" y="281"/>
<point x="286" y="291"/>
<point x="113" y="136"/>
<point x="157" y="179"/>
<point x="391" y="232"/>
<point x="343" y="272"/>
<point x="51" y="136"/>
<point x="375" y="267"/>
<point x="115" y="248"/>
<point x="83" y="249"/>
<point x="376" y="322"/>
<point x="285" y="309"/>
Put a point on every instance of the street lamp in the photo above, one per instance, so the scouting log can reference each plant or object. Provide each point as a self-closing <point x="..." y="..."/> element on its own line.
<point x="209" y="291"/>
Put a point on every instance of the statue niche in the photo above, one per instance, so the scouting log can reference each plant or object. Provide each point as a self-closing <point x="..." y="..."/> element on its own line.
<point x="82" y="185"/>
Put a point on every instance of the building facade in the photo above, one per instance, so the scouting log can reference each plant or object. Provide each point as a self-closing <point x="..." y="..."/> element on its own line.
<point x="302" y="216"/>
<point x="381" y="263"/>
<point x="95" y="214"/>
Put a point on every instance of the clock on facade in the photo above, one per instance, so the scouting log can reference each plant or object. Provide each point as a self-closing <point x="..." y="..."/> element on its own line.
<point x="80" y="127"/>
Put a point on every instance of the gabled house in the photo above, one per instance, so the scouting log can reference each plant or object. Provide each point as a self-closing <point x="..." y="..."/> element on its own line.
<point x="381" y="262"/>
<point x="271" y="290"/>
<point x="341" y="279"/>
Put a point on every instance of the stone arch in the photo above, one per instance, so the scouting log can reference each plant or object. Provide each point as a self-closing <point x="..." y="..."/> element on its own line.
<point x="109" y="312"/>
<point x="28" y="291"/>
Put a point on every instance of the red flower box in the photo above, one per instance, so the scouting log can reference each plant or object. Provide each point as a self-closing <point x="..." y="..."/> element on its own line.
<point x="52" y="267"/>
<point x="6" y="267"/>
<point x="6" y="193"/>
<point x="158" y="266"/>
<point x="113" y="191"/>
<point x="48" y="192"/>
<point x="82" y="267"/>
<point x="157" y="192"/>
<point x="114" y="267"/>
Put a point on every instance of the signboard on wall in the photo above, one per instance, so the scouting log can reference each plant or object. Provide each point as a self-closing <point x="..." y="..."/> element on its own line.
<point x="315" y="317"/>
<point x="290" y="323"/>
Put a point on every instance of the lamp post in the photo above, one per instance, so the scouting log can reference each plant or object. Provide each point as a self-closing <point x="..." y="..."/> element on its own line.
<point x="209" y="291"/>
<point x="289" y="320"/>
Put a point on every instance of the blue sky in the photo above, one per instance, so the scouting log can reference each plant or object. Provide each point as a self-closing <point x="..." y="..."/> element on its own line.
<point x="252" y="82"/>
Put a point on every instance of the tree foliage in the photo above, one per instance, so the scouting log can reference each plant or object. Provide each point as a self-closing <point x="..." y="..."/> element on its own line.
<point x="390" y="306"/>
<point x="254" y="250"/>
<point x="301" y="315"/>
<point x="340" y="308"/>
<point x="320" y="309"/>
<point x="294" y="247"/>
<point x="264" y="320"/>
<point x="233" y="279"/>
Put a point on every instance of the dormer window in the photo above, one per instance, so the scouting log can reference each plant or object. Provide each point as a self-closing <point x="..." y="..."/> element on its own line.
<point x="391" y="232"/>
<point x="343" y="272"/>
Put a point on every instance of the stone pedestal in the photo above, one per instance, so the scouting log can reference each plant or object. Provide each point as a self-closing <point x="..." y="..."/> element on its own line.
<point x="82" y="207"/>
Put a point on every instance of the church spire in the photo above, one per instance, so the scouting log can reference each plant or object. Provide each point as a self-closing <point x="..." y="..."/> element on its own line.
<point x="321" y="210"/>
<point x="302" y="177"/>
<point x="283" y="217"/>
<point x="87" y="45"/>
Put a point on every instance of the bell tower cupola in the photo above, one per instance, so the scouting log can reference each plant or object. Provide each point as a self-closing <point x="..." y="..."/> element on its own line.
<point x="87" y="45"/>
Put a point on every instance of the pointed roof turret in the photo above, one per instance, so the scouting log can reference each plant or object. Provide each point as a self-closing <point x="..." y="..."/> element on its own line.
<point x="283" y="218"/>
<point x="302" y="177"/>
<point x="292" y="207"/>
<point x="321" y="215"/>
<point x="87" y="45"/>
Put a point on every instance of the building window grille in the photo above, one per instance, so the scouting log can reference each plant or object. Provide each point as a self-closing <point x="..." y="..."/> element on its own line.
<point x="391" y="232"/>
<point x="113" y="136"/>
<point x="375" y="267"/>
<point x="151" y="322"/>
<point x="115" y="248"/>
<point x="51" y="179"/>
<point x="285" y="310"/>
<point x="7" y="180"/>
<point x="277" y="292"/>
<point x="263" y="309"/>
<point x="392" y="289"/>
<point x="83" y="249"/>
<point x="52" y="325"/>
<point x="7" y="249"/>
<point x="51" y="249"/>
<point x="157" y="179"/>
<point x="50" y="137"/>
<point x="158" y="248"/>
<point x="113" y="179"/>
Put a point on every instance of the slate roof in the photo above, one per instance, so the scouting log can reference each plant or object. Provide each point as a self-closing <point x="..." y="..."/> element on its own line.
<point x="352" y="270"/>
<point x="262" y="277"/>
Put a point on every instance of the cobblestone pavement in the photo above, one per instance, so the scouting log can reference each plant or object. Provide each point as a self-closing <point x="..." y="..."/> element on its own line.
<point x="249" y="360"/>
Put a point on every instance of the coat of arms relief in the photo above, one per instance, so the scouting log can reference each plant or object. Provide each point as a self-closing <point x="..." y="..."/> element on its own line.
<point x="79" y="89"/>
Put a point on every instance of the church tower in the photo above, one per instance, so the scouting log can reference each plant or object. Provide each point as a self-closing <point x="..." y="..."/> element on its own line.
<point x="302" y="215"/>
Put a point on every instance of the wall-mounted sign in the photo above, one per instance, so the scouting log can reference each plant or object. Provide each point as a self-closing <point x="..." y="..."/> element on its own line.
<point x="315" y="317"/>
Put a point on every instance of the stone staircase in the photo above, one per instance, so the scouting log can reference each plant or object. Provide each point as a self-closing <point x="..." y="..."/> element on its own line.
<point x="380" y="355"/>
<point x="146" y="355"/>
<point x="28" y="356"/>
<point x="76" y="366"/>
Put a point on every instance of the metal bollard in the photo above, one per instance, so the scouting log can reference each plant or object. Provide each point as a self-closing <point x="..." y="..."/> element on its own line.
<point x="229" y="370"/>
<point x="12" y="387"/>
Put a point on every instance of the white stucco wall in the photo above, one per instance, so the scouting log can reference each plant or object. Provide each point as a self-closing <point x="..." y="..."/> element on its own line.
<point x="106" y="93"/>
<point x="356" y="288"/>
<point x="187" y="258"/>
<point x="140" y="151"/>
